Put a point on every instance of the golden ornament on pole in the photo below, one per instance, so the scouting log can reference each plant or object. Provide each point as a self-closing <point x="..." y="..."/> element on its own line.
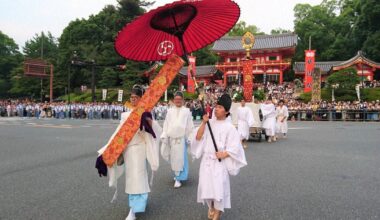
<point x="248" y="40"/>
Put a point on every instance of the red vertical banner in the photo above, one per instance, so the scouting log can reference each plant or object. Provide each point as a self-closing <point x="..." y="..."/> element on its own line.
<point x="190" y="82"/>
<point x="309" y="68"/>
<point x="247" y="80"/>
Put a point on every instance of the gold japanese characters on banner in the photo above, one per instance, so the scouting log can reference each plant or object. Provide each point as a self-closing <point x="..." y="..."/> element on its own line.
<point x="309" y="67"/>
<point x="316" y="89"/>
<point x="247" y="80"/>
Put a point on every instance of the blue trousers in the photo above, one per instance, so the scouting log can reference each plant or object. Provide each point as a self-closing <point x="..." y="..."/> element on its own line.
<point x="137" y="202"/>
<point x="183" y="175"/>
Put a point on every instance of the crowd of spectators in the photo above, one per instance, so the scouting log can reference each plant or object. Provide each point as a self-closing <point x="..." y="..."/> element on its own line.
<point x="340" y="110"/>
<point x="60" y="110"/>
<point x="298" y="110"/>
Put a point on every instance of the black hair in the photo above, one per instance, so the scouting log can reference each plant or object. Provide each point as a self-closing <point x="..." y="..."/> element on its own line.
<point x="225" y="101"/>
<point x="138" y="90"/>
<point x="178" y="93"/>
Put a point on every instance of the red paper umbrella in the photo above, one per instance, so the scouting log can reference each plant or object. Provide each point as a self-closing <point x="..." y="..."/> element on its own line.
<point x="180" y="27"/>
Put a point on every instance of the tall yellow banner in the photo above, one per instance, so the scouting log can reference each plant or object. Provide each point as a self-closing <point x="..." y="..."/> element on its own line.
<point x="316" y="90"/>
<point x="147" y="102"/>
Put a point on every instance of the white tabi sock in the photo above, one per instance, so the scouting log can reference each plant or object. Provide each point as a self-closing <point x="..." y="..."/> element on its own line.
<point x="177" y="184"/>
<point x="131" y="215"/>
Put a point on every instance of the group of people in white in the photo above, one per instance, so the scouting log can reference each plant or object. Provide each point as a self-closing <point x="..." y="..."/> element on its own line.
<point x="216" y="142"/>
<point x="274" y="119"/>
<point x="274" y="122"/>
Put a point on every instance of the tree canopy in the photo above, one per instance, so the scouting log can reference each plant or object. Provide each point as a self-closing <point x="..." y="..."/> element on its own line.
<point x="241" y="28"/>
<point x="338" y="28"/>
<point x="10" y="57"/>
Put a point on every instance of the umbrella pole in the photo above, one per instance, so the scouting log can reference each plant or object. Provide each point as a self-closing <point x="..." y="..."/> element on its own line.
<point x="199" y="94"/>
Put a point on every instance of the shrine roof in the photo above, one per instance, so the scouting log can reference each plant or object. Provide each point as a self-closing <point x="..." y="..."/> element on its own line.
<point x="262" y="42"/>
<point x="299" y="67"/>
<point x="359" y="58"/>
<point x="200" y="70"/>
<point x="324" y="66"/>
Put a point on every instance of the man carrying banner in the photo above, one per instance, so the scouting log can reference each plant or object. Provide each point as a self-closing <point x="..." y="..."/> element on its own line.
<point x="177" y="127"/>
<point x="132" y="162"/>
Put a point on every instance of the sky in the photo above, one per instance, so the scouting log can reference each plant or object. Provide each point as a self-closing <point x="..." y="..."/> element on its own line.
<point x="22" y="19"/>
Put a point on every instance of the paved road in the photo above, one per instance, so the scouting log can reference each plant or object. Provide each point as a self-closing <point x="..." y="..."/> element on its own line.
<point x="322" y="171"/>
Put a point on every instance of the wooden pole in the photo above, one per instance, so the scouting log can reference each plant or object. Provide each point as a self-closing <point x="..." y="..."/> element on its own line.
<point x="51" y="83"/>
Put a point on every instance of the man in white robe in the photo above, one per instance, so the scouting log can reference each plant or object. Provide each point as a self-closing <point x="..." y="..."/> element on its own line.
<point x="269" y="119"/>
<point x="142" y="148"/>
<point x="282" y="119"/>
<point x="214" y="182"/>
<point x="177" y="127"/>
<point x="245" y="120"/>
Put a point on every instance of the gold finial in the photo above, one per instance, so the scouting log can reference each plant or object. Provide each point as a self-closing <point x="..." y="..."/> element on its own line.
<point x="248" y="40"/>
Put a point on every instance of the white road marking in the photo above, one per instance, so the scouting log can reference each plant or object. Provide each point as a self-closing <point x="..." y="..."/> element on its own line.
<point x="51" y="126"/>
<point x="299" y="128"/>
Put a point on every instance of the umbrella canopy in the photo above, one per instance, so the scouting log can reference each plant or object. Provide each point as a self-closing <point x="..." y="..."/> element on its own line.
<point x="177" y="28"/>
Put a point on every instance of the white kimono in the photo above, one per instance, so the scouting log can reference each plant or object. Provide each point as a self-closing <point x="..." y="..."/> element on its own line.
<point x="269" y="118"/>
<point x="177" y="128"/>
<point x="214" y="181"/>
<point x="245" y="121"/>
<point x="282" y="113"/>
<point x="143" y="147"/>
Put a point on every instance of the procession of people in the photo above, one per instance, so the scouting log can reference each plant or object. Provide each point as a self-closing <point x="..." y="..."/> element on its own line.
<point x="216" y="141"/>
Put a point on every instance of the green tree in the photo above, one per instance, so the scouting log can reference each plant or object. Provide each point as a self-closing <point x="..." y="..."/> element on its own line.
<point x="241" y="28"/>
<point x="330" y="27"/>
<point x="366" y="29"/>
<point x="109" y="78"/>
<point x="10" y="58"/>
<point x="372" y="46"/>
<point x="259" y="95"/>
<point x="133" y="74"/>
<point x="23" y="86"/>
<point x="279" y="31"/>
<point x="345" y="80"/>
<point x="205" y="56"/>
<point x="41" y="46"/>
<point x="92" y="39"/>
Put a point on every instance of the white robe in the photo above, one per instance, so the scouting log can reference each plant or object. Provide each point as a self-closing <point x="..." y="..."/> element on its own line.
<point x="177" y="128"/>
<point x="143" y="147"/>
<point x="269" y="118"/>
<point x="282" y="113"/>
<point x="245" y="121"/>
<point x="214" y="182"/>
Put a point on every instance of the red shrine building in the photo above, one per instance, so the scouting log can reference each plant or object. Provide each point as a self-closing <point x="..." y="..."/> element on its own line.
<point x="271" y="58"/>
<point x="366" y="68"/>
